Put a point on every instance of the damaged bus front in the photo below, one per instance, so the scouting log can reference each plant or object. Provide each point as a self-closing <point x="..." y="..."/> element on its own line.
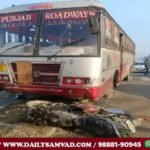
<point x="51" y="52"/>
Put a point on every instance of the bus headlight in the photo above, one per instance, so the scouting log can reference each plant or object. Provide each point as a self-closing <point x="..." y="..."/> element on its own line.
<point x="78" y="81"/>
<point x="5" y="78"/>
<point x="3" y="67"/>
<point x="68" y="81"/>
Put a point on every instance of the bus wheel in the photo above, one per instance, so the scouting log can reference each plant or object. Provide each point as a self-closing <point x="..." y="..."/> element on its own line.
<point x="116" y="80"/>
<point x="126" y="78"/>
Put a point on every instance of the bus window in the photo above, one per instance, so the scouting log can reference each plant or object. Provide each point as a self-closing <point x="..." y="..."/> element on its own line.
<point x="108" y="28"/>
<point x="17" y="31"/>
<point x="67" y="35"/>
<point x="116" y="35"/>
<point x="2" y="37"/>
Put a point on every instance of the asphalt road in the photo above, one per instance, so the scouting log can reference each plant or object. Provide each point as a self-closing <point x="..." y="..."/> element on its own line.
<point x="138" y="85"/>
<point x="134" y="96"/>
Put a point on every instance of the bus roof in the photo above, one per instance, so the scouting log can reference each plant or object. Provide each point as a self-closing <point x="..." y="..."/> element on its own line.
<point x="52" y="5"/>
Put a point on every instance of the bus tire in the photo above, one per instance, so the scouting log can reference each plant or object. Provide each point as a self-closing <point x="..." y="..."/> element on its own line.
<point x="126" y="78"/>
<point x="116" y="80"/>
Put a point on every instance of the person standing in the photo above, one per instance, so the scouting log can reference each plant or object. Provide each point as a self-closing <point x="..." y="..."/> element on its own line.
<point x="146" y="63"/>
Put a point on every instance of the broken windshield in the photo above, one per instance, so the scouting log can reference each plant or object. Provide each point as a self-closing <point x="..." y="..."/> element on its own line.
<point x="17" y="31"/>
<point x="67" y="32"/>
<point x="60" y="32"/>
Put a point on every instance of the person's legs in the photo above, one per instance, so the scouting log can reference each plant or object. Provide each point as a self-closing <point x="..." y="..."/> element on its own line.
<point x="146" y="71"/>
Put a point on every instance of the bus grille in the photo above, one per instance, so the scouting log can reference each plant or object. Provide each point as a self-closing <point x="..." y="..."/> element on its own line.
<point x="46" y="73"/>
<point x="42" y="73"/>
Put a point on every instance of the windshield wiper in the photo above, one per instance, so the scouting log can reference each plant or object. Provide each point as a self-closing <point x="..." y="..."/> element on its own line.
<point x="74" y="42"/>
<point x="60" y="50"/>
<point x="13" y="47"/>
<point x="63" y="47"/>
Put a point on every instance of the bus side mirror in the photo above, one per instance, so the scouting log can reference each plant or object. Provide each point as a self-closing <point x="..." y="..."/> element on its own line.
<point x="94" y="24"/>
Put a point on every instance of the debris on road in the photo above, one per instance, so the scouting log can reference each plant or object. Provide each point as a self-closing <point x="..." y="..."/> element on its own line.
<point x="98" y="121"/>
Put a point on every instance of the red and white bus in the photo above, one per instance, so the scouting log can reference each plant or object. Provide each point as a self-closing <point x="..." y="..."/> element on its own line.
<point x="73" y="49"/>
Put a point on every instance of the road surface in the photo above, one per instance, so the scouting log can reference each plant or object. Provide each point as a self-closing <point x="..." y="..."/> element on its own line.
<point x="134" y="96"/>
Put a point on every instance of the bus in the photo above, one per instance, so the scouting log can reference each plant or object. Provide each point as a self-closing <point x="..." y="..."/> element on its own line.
<point x="73" y="49"/>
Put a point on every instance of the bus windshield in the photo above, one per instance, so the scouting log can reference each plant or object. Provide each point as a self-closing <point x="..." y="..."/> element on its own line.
<point x="67" y="33"/>
<point x="17" y="31"/>
<point x="56" y="33"/>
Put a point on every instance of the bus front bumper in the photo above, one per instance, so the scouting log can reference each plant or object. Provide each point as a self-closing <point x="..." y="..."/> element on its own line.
<point x="93" y="93"/>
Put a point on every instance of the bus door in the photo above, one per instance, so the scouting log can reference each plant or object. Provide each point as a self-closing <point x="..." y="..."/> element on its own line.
<point x="121" y="53"/>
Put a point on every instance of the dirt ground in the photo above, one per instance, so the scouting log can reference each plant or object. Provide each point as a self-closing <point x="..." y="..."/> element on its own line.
<point x="13" y="121"/>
